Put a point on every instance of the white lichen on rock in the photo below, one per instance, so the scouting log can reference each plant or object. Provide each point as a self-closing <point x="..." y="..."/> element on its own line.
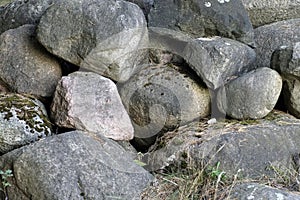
<point x="23" y="120"/>
<point x="207" y="4"/>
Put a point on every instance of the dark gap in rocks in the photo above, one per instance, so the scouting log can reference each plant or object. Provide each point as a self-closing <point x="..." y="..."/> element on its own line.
<point x="67" y="67"/>
<point x="280" y="105"/>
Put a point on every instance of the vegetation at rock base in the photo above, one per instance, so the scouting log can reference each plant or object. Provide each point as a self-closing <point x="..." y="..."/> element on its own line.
<point x="4" y="180"/>
<point x="212" y="183"/>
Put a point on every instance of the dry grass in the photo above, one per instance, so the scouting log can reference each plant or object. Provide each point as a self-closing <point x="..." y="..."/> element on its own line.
<point x="209" y="183"/>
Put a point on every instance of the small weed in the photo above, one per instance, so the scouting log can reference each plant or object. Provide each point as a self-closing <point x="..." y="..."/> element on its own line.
<point x="4" y="177"/>
<point x="5" y="183"/>
<point x="215" y="172"/>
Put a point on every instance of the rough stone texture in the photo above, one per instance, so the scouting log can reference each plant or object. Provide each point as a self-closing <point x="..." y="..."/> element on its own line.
<point x="251" y="146"/>
<point x="21" y="12"/>
<point x="88" y="101"/>
<point x="161" y="97"/>
<point x="251" y="191"/>
<point x="82" y="33"/>
<point x="286" y="60"/>
<point x="291" y="96"/>
<point x="216" y="60"/>
<point x="23" y="120"/>
<point x="252" y="95"/>
<point x="271" y="37"/>
<point x="203" y="18"/>
<point x="229" y="59"/>
<point x="263" y="12"/>
<point x="74" y="165"/>
<point x="26" y="67"/>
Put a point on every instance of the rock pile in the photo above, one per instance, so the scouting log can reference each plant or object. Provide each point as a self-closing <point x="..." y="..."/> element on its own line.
<point x="146" y="68"/>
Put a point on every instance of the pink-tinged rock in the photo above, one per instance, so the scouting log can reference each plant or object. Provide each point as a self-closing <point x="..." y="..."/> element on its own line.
<point x="88" y="101"/>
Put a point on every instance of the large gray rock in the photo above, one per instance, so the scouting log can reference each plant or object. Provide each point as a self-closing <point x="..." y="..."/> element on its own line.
<point x="252" y="95"/>
<point x="161" y="97"/>
<point x="21" y="12"/>
<point x="216" y="60"/>
<point x="271" y="37"/>
<point x="286" y="60"/>
<point x="228" y="59"/>
<point x="263" y="12"/>
<point x="23" y="120"/>
<point x="291" y="95"/>
<point x="88" y="101"/>
<point x="203" y="18"/>
<point x="251" y="191"/>
<point x="249" y="146"/>
<point x="26" y="67"/>
<point x="82" y="33"/>
<point x="74" y="165"/>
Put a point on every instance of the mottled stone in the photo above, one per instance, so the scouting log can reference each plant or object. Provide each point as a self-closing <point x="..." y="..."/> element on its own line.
<point x="82" y="33"/>
<point x="74" y="165"/>
<point x="23" y="120"/>
<point x="88" y="101"/>
<point x="26" y="67"/>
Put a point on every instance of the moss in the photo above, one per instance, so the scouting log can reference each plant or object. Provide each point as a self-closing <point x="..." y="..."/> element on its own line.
<point x="26" y="109"/>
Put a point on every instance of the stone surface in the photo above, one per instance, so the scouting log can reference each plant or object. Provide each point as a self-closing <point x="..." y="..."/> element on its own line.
<point x="228" y="59"/>
<point x="252" y="95"/>
<point x="26" y="67"/>
<point x="271" y="37"/>
<point x="286" y="60"/>
<point x="263" y="12"/>
<point x="74" y="165"/>
<point x="249" y="191"/>
<point x="82" y="33"/>
<point x="88" y="101"/>
<point x="161" y="97"/>
<point x="251" y="146"/>
<point x="145" y="5"/>
<point x="23" y="120"/>
<point x="203" y="18"/>
<point x="291" y="96"/>
<point x="21" y="12"/>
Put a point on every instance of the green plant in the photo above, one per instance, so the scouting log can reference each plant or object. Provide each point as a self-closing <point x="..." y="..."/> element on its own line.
<point x="215" y="172"/>
<point x="4" y="180"/>
<point x="4" y="177"/>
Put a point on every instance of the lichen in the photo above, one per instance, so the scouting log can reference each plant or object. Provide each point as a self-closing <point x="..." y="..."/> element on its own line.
<point x="27" y="111"/>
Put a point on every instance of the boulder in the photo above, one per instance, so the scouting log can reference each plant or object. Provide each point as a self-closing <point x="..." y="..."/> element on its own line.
<point x="286" y="60"/>
<point x="74" y="165"/>
<point x="216" y="60"/>
<point x="269" y="38"/>
<point x="250" y="146"/>
<point x="161" y="97"/>
<point x="251" y="191"/>
<point x="228" y="59"/>
<point x="291" y="95"/>
<point x="252" y="95"/>
<point x="82" y="33"/>
<point x="23" y="120"/>
<point x="26" y="67"/>
<point x="203" y="18"/>
<point x="19" y="12"/>
<point x="263" y="12"/>
<point x="88" y="101"/>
